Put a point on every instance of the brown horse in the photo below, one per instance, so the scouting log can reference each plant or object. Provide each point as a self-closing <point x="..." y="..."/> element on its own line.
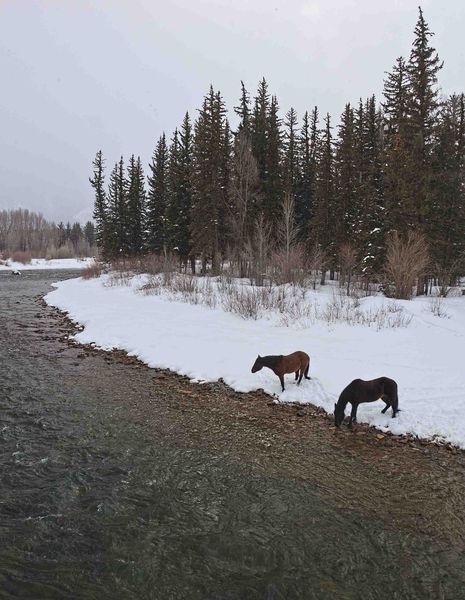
<point x="359" y="391"/>
<point x="297" y="362"/>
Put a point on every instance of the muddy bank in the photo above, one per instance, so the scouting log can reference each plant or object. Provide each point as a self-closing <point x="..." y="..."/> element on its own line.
<point x="119" y="481"/>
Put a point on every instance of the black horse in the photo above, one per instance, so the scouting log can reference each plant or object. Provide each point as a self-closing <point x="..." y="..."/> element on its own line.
<point x="359" y="391"/>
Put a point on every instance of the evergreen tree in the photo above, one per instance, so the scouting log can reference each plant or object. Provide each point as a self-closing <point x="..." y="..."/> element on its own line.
<point x="97" y="181"/>
<point x="225" y="184"/>
<point x="396" y="94"/>
<point x="135" y="207"/>
<point x="371" y="197"/>
<point x="76" y="235"/>
<point x="89" y="233"/>
<point x="324" y="223"/>
<point x="61" y="234"/>
<point x="291" y="174"/>
<point x="243" y="111"/>
<point x="447" y="207"/>
<point x="260" y="133"/>
<point x="308" y="144"/>
<point x="118" y="235"/>
<point x="422" y="68"/>
<point x="273" y="185"/>
<point x="346" y="210"/>
<point x="209" y="191"/>
<point x="157" y="200"/>
<point x="179" y="210"/>
<point x="397" y="150"/>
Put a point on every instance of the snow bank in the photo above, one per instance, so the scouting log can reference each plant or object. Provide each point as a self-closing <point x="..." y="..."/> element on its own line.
<point x="425" y="358"/>
<point x="42" y="263"/>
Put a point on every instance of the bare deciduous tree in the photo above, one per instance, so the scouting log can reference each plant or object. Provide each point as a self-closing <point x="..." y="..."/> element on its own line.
<point x="244" y="198"/>
<point x="406" y="261"/>
<point x="257" y="250"/>
<point x="316" y="263"/>
<point x="288" y="260"/>
<point x="347" y="262"/>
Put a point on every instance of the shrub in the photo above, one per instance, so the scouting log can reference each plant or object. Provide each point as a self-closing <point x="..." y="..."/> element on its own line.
<point x="406" y="260"/>
<point x="21" y="257"/>
<point x="91" y="271"/>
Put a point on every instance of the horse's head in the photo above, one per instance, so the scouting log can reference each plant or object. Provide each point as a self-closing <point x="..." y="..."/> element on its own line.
<point x="338" y="415"/>
<point x="258" y="364"/>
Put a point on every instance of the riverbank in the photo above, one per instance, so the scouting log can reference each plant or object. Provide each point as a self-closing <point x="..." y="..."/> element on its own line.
<point x="165" y="329"/>
<point x="40" y="264"/>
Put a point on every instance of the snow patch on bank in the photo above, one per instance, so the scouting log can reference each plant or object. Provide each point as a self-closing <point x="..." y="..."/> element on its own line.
<point x="205" y="344"/>
<point x="42" y="264"/>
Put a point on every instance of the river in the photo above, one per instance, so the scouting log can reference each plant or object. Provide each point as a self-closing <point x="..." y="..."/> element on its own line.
<point x="118" y="481"/>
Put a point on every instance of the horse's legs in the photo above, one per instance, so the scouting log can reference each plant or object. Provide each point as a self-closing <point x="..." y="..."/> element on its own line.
<point x="306" y="372"/>
<point x="281" y="379"/>
<point x="297" y="374"/>
<point x="395" y="406"/>
<point x="301" y="375"/>
<point x="388" y="404"/>
<point x="353" y="414"/>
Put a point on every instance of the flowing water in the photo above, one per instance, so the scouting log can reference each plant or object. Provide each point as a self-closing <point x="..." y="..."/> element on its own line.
<point x="113" y="487"/>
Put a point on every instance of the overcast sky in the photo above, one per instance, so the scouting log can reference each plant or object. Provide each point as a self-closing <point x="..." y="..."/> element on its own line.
<point x="83" y="75"/>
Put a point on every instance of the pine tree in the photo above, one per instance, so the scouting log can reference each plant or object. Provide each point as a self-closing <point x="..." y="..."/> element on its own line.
<point x="346" y="210"/>
<point x="89" y="233"/>
<point x="118" y="234"/>
<point x="422" y="68"/>
<point x="323" y="223"/>
<point x="135" y="207"/>
<point x="259" y="133"/>
<point x="157" y="200"/>
<point x="396" y="94"/>
<point x="397" y="150"/>
<point x="372" y="225"/>
<point x="243" y="111"/>
<point x="209" y="180"/>
<point x="308" y="144"/>
<point x="97" y="181"/>
<point x="225" y="183"/>
<point x="61" y="234"/>
<point x="180" y="192"/>
<point x="76" y="235"/>
<point x="447" y="206"/>
<point x="172" y="210"/>
<point x="273" y="185"/>
<point x="291" y="166"/>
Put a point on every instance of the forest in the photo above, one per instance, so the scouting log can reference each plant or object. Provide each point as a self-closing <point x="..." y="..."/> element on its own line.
<point x="379" y="197"/>
<point x="26" y="234"/>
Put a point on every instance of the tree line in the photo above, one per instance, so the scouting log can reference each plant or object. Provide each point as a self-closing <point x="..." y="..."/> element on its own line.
<point x="277" y="186"/>
<point x="25" y="234"/>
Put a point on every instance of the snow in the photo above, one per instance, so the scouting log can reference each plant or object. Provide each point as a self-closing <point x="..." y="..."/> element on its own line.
<point x="205" y="344"/>
<point x="42" y="263"/>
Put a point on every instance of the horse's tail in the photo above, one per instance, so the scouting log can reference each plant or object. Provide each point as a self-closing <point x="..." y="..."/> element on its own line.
<point x="395" y="396"/>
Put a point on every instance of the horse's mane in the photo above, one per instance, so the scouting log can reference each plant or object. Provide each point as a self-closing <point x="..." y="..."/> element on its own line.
<point x="271" y="361"/>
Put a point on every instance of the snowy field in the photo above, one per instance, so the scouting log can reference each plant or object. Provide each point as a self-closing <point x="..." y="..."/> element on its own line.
<point x="425" y="355"/>
<point x="42" y="263"/>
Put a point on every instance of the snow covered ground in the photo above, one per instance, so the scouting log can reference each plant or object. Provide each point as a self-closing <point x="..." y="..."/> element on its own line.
<point x="426" y="357"/>
<point x="42" y="263"/>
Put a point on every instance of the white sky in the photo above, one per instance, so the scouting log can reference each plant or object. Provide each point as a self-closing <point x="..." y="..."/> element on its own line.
<point x="80" y="75"/>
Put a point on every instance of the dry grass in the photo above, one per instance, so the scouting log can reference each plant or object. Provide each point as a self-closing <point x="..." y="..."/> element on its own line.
<point x="91" y="271"/>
